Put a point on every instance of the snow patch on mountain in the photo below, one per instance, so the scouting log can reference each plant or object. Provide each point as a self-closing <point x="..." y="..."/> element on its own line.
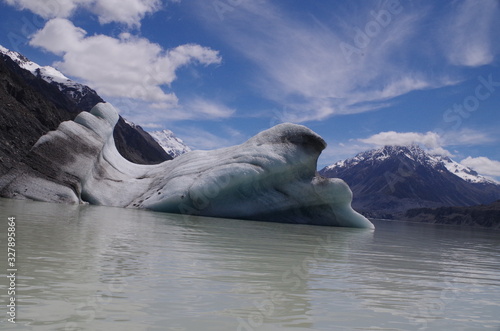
<point x="47" y="73"/>
<point x="173" y="145"/>
<point x="464" y="172"/>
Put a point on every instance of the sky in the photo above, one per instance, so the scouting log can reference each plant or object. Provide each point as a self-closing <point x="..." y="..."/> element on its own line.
<point x="362" y="74"/>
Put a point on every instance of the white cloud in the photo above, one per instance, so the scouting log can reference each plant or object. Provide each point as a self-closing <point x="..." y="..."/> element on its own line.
<point x="434" y="142"/>
<point x="129" y="12"/>
<point x="47" y="9"/>
<point x="466" y="36"/>
<point x="482" y="165"/>
<point x="128" y="67"/>
<point x="429" y="139"/>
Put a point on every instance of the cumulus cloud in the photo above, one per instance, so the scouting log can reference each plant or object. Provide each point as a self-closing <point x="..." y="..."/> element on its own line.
<point x="429" y="139"/>
<point x="483" y="165"/>
<point x="466" y="33"/>
<point x="434" y="142"/>
<point x="128" y="66"/>
<point x="129" y="12"/>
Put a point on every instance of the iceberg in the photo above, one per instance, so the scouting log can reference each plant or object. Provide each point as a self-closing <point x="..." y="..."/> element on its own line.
<point x="271" y="177"/>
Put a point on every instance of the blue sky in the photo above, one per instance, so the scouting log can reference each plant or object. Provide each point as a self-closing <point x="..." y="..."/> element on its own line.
<point x="360" y="73"/>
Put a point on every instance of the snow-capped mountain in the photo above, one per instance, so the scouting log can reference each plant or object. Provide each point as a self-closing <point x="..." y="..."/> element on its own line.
<point x="417" y="154"/>
<point x="392" y="179"/>
<point x="173" y="145"/>
<point x="81" y="94"/>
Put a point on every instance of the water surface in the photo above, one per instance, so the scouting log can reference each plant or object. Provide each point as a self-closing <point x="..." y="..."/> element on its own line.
<point x="102" y="268"/>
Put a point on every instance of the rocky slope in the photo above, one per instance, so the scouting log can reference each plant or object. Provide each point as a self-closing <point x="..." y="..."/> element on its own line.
<point x="29" y="107"/>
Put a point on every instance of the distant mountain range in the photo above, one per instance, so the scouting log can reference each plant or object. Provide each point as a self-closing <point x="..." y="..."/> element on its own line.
<point x="35" y="99"/>
<point x="388" y="181"/>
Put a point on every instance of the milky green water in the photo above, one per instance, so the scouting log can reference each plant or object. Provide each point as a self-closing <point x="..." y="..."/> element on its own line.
<point x="101" y="268"/>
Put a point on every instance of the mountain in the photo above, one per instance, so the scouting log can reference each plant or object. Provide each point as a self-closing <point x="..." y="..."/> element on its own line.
<point x="173" y="145"/>
<point x="36" y="99"/>
<point x="390" y="180"/>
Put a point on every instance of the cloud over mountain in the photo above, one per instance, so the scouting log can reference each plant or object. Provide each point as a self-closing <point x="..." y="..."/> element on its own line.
<point x="127" y="66"/>
<point x="483" y="165"/>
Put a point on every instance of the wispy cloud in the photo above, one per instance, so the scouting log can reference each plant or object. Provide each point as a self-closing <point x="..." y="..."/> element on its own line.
<point x="303" y="63"/>
<point x="157" y="115"/>
<point x="466" y="34"/>
<point x="468" y="137"/>
<point x="208" y="109"/>
<point x="198" y="138"/>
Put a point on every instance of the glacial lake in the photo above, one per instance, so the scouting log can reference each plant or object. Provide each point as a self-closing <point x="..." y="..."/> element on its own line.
<point x="100" y="268"/>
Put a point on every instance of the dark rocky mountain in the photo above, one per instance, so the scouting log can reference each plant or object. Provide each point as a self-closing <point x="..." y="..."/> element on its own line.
<point x="29" y="107"/>
<point x="137" y="145"/>
<point x="482" y="215"/>
<point x="32" y="103"/>
<point x="388" y="181"/>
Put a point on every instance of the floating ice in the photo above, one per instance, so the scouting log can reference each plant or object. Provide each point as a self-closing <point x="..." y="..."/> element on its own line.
<point x="271" y="177"/>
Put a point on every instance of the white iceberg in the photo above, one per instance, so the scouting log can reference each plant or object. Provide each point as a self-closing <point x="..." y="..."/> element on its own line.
<point x="271" y="177"/>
